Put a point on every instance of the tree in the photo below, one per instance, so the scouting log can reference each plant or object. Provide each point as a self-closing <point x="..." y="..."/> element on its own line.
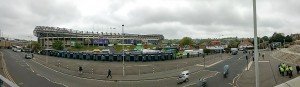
<point x="277" y="37"/>
<point x="36" y="46"/>
<point x="265" y="38"/>
<point x="288" y="38"/>
<point x="186" y="41"/>
<point x="58" y="45"/>
<point x="77" y="45"/>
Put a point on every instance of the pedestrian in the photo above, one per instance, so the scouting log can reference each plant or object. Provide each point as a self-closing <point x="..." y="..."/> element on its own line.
<point x="287" y="70"/>
<point x="263" y="56"/>
<point x="283" y="65"/>
<point x="80" y="69"/>
<point x="298" y="69"/>
<point x="253" y="58"/>
<point x="279" y="66"/>
<point x="291" y="72"/>
<point x="109" y="74"/>
<point x="281" y="71"/>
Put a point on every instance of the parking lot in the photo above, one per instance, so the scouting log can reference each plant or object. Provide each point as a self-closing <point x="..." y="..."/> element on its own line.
<point x="131" y="68"/>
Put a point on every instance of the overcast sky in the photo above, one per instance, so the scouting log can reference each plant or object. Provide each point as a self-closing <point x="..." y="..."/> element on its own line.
<point x="172" y="18"/>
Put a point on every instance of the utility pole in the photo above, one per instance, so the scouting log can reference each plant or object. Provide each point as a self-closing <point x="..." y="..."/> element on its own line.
<point x="123" y="49"/>
<point x="255" y="45"/>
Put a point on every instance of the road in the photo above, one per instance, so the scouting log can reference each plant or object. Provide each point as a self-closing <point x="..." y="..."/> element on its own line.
<point x="29" y="73"/>
<point x="22" y="73"/>
<point x="237" y="64"/>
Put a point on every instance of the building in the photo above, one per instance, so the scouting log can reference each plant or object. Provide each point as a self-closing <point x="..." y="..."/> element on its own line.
<point x="215" y="45"/>
<point x="47" y="35"/>
<point x="295" y="36"/>
<point x="245" y="44"/>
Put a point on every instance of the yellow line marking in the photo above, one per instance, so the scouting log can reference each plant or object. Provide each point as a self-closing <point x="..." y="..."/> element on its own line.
<point x="5" y="69"/>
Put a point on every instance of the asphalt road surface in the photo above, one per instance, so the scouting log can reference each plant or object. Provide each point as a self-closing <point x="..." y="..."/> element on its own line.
<point x="21" y="72"/>
<point x="237" y="64"/>
<point x="29" y="73"/>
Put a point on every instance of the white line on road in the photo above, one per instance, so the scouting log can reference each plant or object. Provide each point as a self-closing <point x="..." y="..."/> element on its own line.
<point x="214" y="63"/>
<point x="263" y="61"/>
<point x="249" y="65"/>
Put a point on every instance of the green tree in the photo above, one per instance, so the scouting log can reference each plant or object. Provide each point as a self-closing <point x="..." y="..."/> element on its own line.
<point x="36" y="46"/>
<point x="186" y="41"/>
<point x="277" y="37"/>
<point x="58" y="45"/>
<point x="265" y="38"/>
<point x="288" y="38"/>
<point x="77" y="45"/>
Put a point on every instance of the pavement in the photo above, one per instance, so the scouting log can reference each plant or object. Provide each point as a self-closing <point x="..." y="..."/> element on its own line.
<point x="268" y="72"/>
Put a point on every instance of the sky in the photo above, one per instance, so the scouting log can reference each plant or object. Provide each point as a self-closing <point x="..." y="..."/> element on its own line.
<point x="174" y="19"/>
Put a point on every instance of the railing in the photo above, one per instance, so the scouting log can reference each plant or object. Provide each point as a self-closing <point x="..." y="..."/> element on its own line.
<point x="3" y="79"/>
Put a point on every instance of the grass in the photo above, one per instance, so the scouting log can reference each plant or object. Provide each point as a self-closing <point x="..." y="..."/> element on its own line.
<point x="120" y="47"/>
<point x="85" y="48"/>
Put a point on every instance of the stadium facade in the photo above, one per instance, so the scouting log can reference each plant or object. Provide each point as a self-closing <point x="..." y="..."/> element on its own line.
<point x="47" y="35"/>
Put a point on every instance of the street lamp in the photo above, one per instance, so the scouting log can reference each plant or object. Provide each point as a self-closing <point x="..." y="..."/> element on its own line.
<point x="255" y="45"/>
<point x="123" y="49"/>
<point x="220" y="48"/>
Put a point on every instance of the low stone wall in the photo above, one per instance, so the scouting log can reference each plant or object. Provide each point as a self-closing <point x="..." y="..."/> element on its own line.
<point x="290" y="55"/>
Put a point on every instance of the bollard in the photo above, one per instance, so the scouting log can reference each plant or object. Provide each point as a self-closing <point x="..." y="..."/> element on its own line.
<point x="153" y="69"/>
<point x="92" y="71"/>
<point x="139" y="71"/>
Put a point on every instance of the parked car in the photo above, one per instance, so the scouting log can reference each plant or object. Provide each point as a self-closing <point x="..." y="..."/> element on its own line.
<point x="28" y="56"/>
<point x="183" y="77"/>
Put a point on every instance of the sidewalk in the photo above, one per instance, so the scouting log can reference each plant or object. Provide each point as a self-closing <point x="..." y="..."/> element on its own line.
<point x="268" y="73"/>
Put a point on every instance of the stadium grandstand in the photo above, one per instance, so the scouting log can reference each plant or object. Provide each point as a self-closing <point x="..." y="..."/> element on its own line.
<point x="46" y="35"/>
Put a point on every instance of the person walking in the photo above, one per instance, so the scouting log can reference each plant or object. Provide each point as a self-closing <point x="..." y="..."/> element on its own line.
<point x="109" y="74"/>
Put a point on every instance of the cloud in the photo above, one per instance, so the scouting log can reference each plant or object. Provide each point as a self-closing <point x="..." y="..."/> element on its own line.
<point x="172" y="18"/>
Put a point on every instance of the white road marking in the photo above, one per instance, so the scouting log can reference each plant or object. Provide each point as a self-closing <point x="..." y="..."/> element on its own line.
<point x="263" y="61"/>
<point x="249" y="65"/>
<point x="199" y="65"/>
<point x="203" y="78"/>
<point x="214" y="63"/>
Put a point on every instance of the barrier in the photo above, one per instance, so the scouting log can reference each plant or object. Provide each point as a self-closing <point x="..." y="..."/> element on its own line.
<point x="116" y="57"/>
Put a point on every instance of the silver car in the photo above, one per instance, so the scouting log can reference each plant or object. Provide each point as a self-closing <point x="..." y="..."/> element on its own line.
<point x="183" y="77"/>
<point x="29" y="56"/>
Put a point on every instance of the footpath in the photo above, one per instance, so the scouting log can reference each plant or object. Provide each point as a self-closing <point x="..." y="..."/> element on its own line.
<point x="269" y="75"/>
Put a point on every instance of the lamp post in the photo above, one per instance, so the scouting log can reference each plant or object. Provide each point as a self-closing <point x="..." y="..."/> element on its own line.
<point x="123" y="49"/>
<point x="255" y="45"/>
<point x="220" y="48"/>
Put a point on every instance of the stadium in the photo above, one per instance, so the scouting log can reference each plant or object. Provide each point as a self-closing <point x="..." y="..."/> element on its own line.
<point x="47" y="35"/>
